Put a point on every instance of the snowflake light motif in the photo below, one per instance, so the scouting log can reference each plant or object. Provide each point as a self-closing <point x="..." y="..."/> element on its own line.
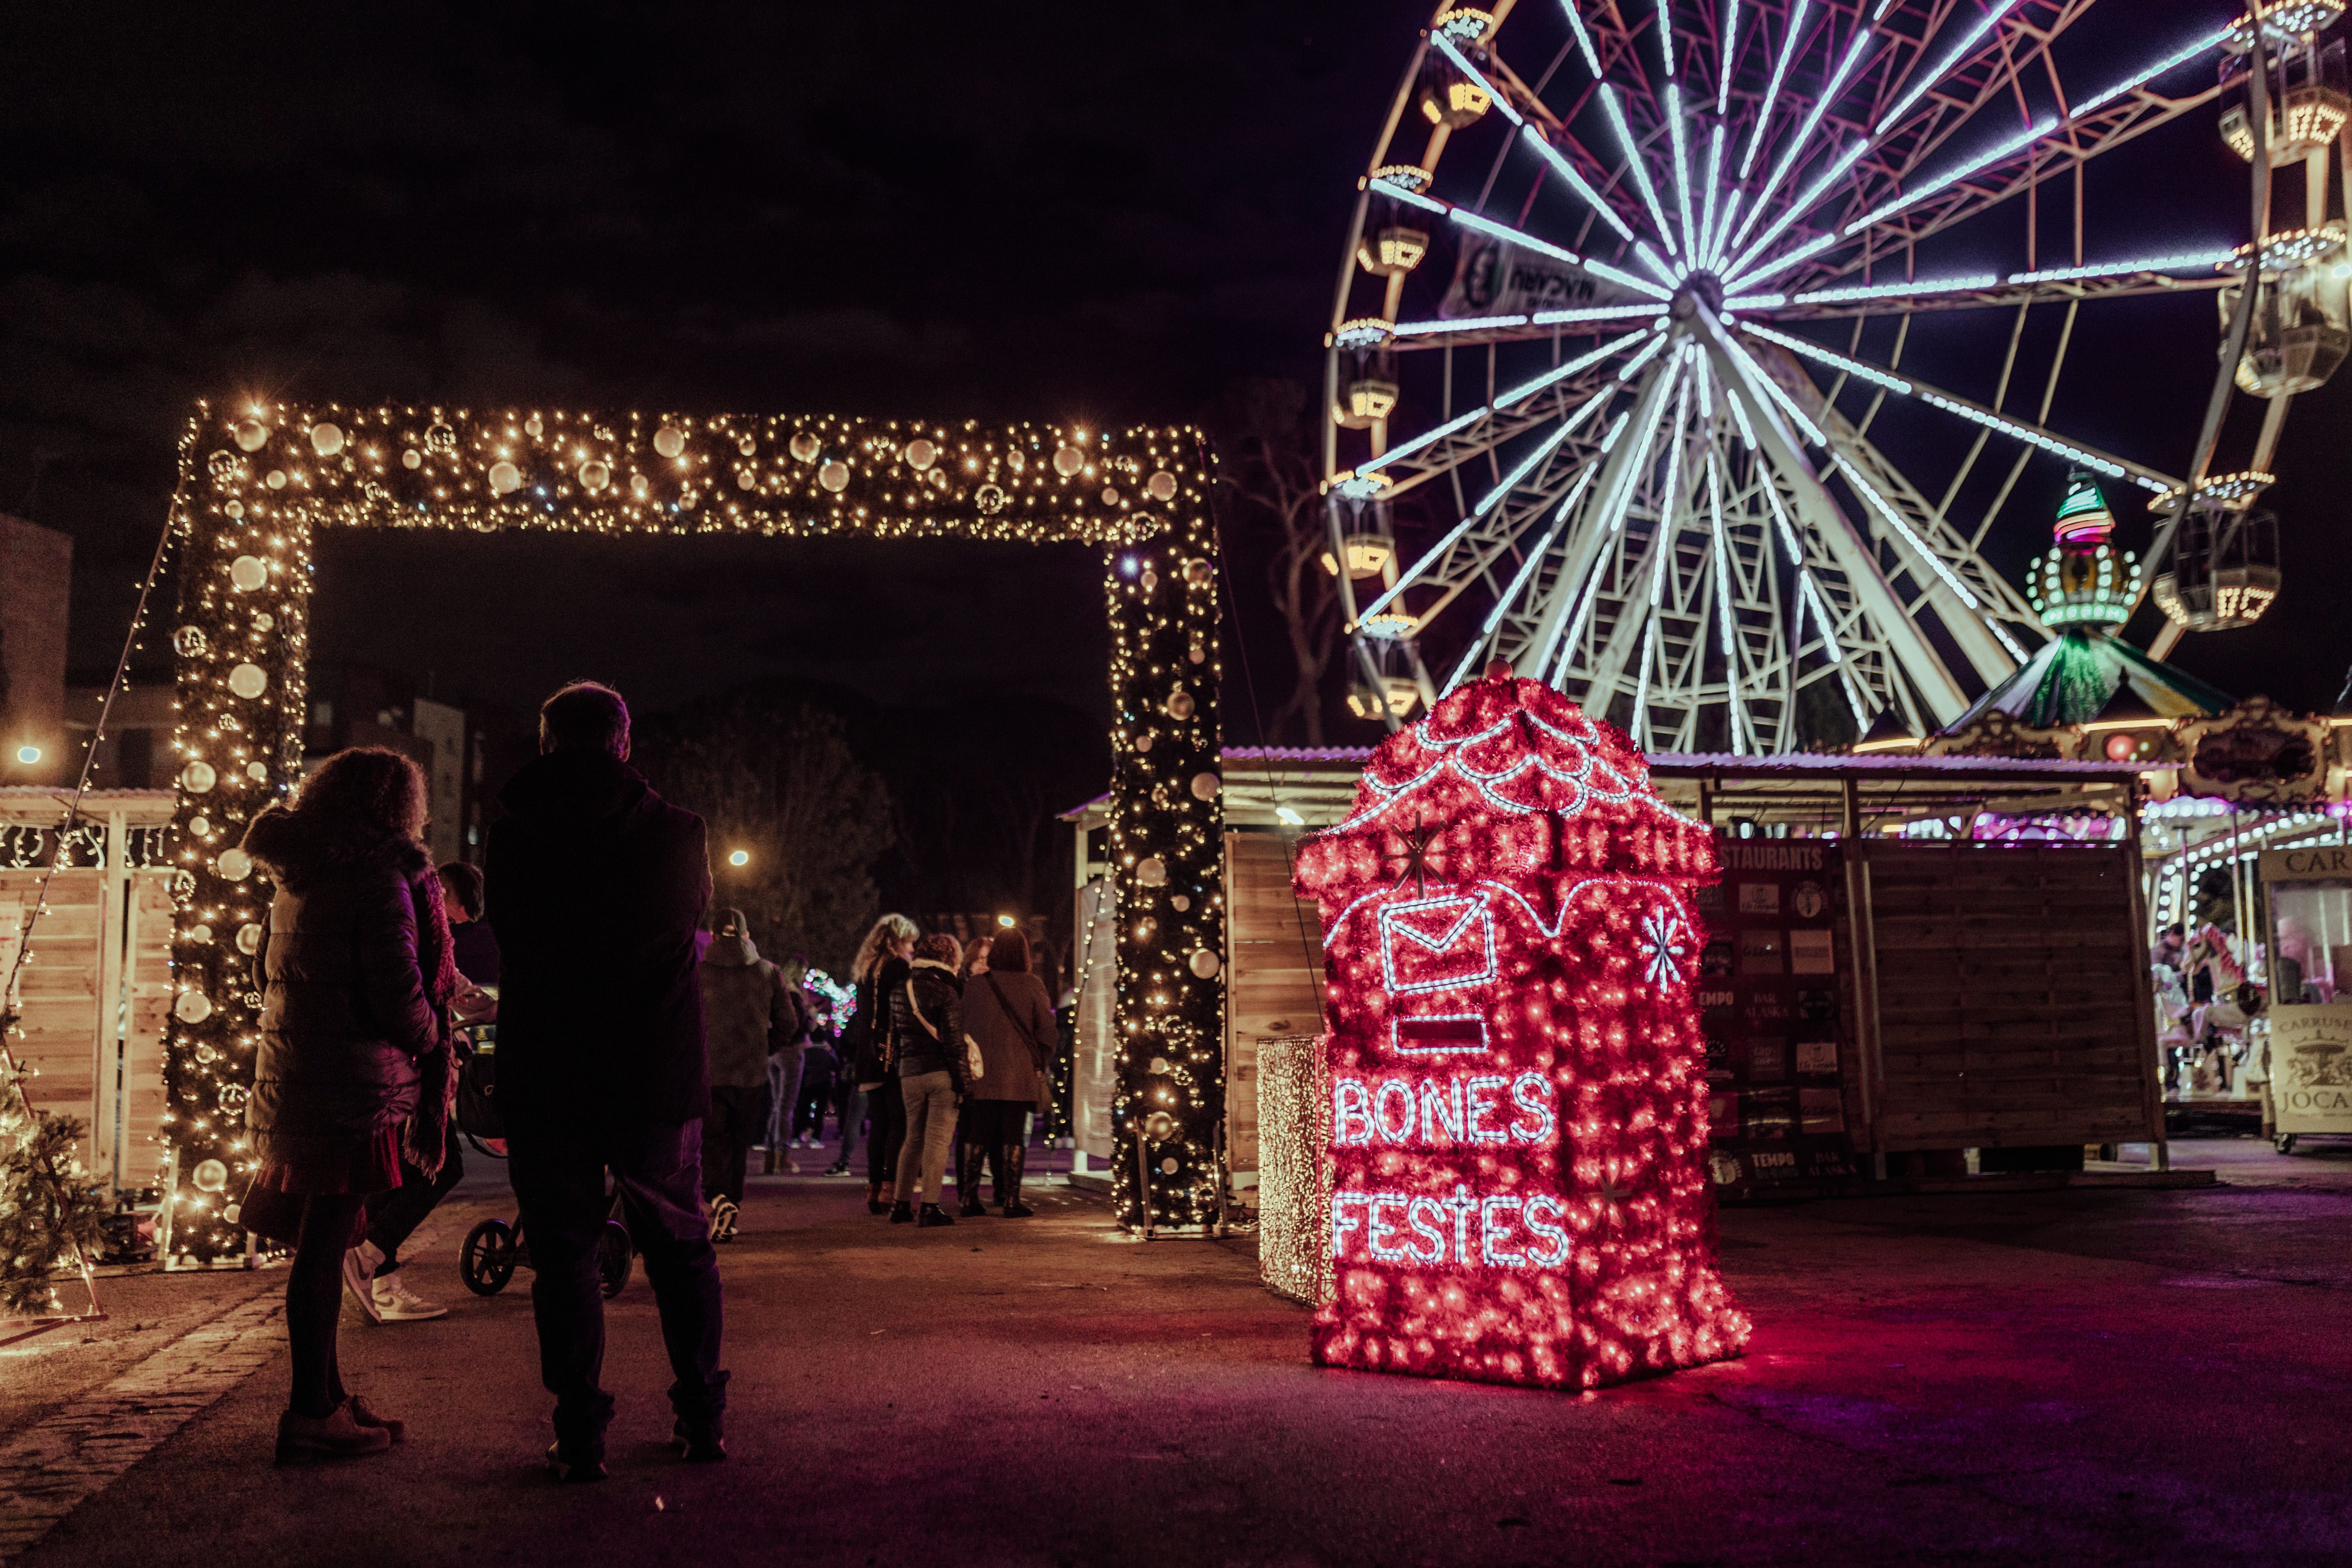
<point x="1665" y="941"/>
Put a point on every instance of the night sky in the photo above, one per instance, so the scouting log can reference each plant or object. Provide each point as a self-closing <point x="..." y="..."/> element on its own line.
<point x="1104" y="214"/>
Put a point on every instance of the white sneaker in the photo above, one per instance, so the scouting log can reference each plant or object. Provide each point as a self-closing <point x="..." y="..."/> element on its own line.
<point x="360" y="1264"/>
<point x="394" y="1303"/>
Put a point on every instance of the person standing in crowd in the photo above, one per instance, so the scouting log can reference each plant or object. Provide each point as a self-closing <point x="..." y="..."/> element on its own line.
<point x="818" y="1066"/>
<point x="881" y="967"/>
<point x="597" y="888"/>
<point x="927" y="1045"/>
<point x="1010" y="1019"/>
<point x="371" y="1269"/>
<point x="975" y="957"/>
<point x="354" y="1071"/>
<point x="748" y="1012"/>
<point x="787" y="1060"/>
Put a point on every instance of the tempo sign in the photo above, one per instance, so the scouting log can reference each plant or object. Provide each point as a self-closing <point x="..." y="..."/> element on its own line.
<point x="1519" y="1144"/>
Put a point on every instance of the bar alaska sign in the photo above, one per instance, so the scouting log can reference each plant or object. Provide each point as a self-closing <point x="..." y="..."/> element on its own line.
<point x="1517" y="1074"/>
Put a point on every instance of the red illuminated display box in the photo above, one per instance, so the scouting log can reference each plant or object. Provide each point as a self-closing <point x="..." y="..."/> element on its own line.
<point x="1518" y="1081"/>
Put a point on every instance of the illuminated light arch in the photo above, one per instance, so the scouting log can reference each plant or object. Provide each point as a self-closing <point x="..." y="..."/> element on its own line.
<point x="256" y="480"/>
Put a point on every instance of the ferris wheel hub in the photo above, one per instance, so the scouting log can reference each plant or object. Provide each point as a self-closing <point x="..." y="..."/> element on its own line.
<point x="1698" y="290"/>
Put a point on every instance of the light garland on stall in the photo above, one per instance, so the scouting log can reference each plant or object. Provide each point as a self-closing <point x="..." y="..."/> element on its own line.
<point x="257" y="479"/>
<point x="1518" y="1131"/>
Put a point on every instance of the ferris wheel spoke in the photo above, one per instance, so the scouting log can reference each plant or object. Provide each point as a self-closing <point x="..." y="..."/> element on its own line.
<point x="1505" y="432"/>
<point x="1534" y="327"/>
<point x="1846" y="543"/>
<point x="1458" y="439"/>
<point x="1793" y="42"/>
<point x="1952" y="60"/>
<point x="2057" y="285"/>
<point x="1627" y="444"/>
<point x="1801" y="143"/>
<point x="1465" y="217"/>
<point x="2053" y="146"/>
<point x="1505" y="603"/>
<point x="2103" y="463"/>
<point x="1636" y="163"/>
<point x="1670" y="509"/>
<point x="1563" y="166"/>
<point x="1527" y="469"/>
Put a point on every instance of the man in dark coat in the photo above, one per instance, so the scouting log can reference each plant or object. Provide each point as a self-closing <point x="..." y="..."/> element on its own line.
<point x="597" y="888"/>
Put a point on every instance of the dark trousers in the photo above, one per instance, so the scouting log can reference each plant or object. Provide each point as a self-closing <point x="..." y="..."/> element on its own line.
<point x="738" y="1119"/>
<point x="886" y="1112"/>
<point x="393" y="1217"/>
<point x="558" y="1170"/>
<point x="314" y="1302"/>
<point x="817" y="1099"/>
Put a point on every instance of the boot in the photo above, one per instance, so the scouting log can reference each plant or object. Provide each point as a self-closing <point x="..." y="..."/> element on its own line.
<point x="968" y="1182"/>
<point x="767" y="1161"/>
<point x="874" y="1200"/>
<point x="903" y="1212"/>
<point x="333" y="1435"/>
<point x="933" y="1216"/>
<point x="1015" y="1156"/>
<point x="698" y="1442"/>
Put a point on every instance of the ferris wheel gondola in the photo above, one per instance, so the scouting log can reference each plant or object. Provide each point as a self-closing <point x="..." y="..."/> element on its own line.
<point x="1655" y="483"/>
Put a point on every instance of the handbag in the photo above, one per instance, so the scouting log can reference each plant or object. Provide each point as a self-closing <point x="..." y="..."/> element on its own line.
<point x="863" y="1044"/>
<point x="477" y="1110"/>
<point x="975" y="1066"/>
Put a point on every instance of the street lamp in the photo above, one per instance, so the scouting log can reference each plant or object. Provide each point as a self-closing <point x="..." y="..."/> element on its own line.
<point x="28" y="756"/>
<point x="739" y="858"/>
<point x="1004" y="920"/>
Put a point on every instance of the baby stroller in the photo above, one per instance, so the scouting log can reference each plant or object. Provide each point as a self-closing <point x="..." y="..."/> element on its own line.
<point x="494" y="1247"/>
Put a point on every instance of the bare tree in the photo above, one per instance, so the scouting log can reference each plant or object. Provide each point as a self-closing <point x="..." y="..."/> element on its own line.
<point x="774" y="776"/>
<point x="1268" y="462"/>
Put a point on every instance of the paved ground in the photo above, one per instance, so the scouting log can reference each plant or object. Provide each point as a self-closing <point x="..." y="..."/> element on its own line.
<point x="2087" y="1376"/>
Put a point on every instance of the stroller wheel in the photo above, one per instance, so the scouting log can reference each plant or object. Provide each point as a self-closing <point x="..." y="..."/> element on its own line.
<point x="488" y="1259"/>
<point x="615" y="1257"/>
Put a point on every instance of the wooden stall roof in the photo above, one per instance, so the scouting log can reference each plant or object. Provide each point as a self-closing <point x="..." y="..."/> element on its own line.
<point x="1316" y="785"/>
<point x="40" y="805"/>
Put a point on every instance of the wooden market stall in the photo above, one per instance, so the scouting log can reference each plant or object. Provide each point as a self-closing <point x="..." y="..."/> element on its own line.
<point x="98" y="986"/>
<point x="1989" y="948"/>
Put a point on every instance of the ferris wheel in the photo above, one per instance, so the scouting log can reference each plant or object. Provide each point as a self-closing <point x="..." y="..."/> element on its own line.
<point x="1586" y="311"/>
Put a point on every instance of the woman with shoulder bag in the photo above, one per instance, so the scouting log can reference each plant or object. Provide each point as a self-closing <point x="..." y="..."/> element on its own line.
<point x="1008" y="1015"/>
<point x="927" y="1045"/>
<point x="356" y="976"/>
<point x="880" y="967"/>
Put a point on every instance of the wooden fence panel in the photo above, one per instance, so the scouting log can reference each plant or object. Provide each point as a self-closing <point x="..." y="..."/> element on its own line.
<point x="2011" y="980"/>
<point x="1274" y="973"/>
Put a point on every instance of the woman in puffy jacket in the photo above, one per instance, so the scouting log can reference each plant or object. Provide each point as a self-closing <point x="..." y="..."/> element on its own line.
<point x="356" y="974"/>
